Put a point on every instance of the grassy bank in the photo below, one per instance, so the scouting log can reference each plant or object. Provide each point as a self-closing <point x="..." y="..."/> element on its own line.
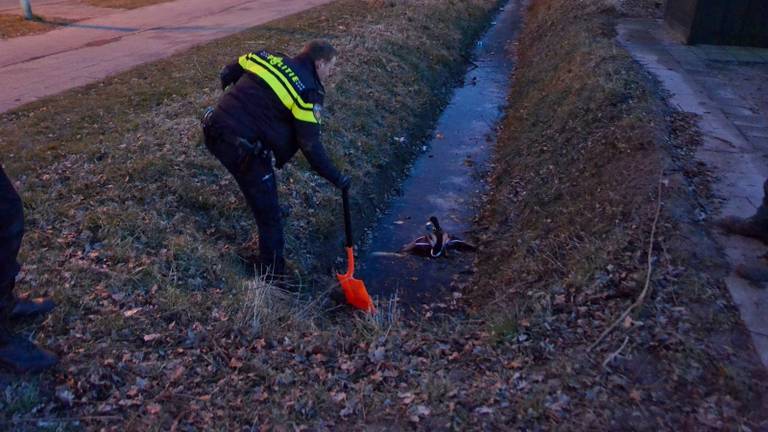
<point x="131" y="225"/>
<point x="587" y="153"/>
<point x="12" y="26"/>
<point x="124" y="4"/>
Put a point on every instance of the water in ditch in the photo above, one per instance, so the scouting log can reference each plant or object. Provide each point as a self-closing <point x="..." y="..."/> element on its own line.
<point x="445" y="181"/>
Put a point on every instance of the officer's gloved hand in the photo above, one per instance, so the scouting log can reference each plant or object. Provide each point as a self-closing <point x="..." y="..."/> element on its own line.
<point x="343" y="182"/>
<point x="223" y="78"/>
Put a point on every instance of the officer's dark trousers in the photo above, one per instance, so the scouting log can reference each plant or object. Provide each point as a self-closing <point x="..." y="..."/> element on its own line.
<point x="761" y="216"/>
<point x="11" y="231"/>
<point x="257" y="182"/>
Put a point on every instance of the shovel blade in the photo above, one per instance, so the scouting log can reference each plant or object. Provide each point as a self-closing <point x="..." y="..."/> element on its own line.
<point x="355" y="292"/>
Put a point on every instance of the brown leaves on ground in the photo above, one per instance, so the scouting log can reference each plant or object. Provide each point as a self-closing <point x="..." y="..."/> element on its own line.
<point x="438" y="376"/>
<point x="568" y="219"/>
<point x="132" y="226"/>
<point x="12" y="25"/>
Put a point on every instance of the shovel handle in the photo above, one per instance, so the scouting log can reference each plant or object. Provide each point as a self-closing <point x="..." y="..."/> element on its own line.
<point x="347" y="217"/>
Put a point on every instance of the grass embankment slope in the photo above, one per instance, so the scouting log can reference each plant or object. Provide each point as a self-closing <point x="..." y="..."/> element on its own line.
<point x="124" y="4"/>
<point x="130" y="225"/>
<point x="585" y="146"/>
<point x="12" y="26"/>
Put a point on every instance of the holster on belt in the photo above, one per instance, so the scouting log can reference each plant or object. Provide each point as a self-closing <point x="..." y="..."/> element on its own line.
<point x="247" y="151"/>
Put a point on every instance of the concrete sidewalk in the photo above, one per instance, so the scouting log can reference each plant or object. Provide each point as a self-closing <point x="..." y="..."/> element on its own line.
<point x="727" y="87"/>
<point x="33" y="67"/>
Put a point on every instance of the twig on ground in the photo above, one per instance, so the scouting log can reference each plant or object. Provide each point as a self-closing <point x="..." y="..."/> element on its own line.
<point x="616" y="353"/>
<point x="647" y="286"/>
<point x="388" y="254"/>
<point x="758" y="333"/>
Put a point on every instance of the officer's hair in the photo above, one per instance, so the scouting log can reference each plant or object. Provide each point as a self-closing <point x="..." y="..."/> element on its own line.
<point x="318" y="50"/>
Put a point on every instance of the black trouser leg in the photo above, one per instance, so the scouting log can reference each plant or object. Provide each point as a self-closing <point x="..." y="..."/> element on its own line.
<point x="761" y="216"/>
<point x="256" y="180"/>
<point x="259" y="187"/>
<point x="11" y="232"/>
<point x="16" y="353"/>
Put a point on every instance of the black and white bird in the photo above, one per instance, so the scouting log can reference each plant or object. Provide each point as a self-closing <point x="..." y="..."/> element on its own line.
<point x="436" y="242"/>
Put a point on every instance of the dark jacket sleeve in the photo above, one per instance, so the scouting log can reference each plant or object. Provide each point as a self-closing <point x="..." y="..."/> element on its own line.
<point x="230" y="74"/>
<point x="308" y="138"/>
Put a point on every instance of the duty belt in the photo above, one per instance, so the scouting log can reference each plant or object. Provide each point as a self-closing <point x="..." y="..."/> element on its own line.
<point x="249" y="150"/>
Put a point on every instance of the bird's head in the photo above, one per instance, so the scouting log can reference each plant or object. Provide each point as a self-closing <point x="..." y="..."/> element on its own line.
<point x="433" y="225"/>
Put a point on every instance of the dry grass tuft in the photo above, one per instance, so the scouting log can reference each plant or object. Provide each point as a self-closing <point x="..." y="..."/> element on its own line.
<point x="12" y="26"/>
<point x="388" y="316"/>
<point x="269" y="309"/>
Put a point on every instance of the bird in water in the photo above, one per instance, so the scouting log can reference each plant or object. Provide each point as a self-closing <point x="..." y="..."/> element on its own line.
<point x="436" y="242"/>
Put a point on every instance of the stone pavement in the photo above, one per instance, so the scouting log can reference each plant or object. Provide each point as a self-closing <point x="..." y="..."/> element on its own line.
<point x="728" y="88"/>
<point x="32" y="67"/>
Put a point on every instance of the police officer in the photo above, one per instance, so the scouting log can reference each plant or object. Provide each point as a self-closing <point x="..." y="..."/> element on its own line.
<point x="274" y="107"/>
<point x="16" y="352"/>
<point x="756" y="227"/>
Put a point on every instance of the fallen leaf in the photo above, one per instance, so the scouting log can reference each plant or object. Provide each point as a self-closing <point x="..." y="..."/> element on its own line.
<point x="484" y="410"/>
<point x="406" y="397"/>
<point x="132" y="312"/>
<point x="177" y="373"/>
<point x="151" y="337"/>
<point x="627" y="322"/>
<point x="153" y="409"/>
<point x="378" y="355"/>
<point x="348" y="410"/>
<point x="64" y="395"/>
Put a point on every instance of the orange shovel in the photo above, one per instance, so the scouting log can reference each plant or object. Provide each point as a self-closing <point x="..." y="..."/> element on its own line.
<point x="354" y="289"/>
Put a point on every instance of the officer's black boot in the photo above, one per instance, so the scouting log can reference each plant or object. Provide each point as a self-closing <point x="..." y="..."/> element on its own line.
<point x="25" y="307"/>
<point x="276" y="273"/>
<point x="754" y="271"/>
<point x="755" y="226"/>
<point x="274" y="269"/>
<point x="16" y="352"/>
<point x="249" y="252"/>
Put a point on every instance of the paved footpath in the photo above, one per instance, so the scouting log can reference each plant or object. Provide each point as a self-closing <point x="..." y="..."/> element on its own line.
<point x="32" y="67"/>
<point x="727" y="87"/>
